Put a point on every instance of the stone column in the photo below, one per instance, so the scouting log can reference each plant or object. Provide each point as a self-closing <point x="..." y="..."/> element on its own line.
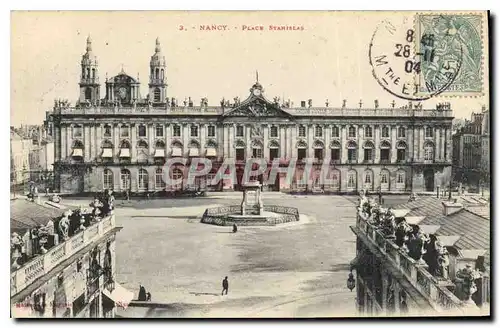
<point x="265" y="150"/>
<point x="64" y="139"/>
<point x="203" y="134"/>
<point x="394" y="131"/>
<point x="231" y="132"/>
<point x="443" y="144"/>
<point x="151" y="137"/>
<point x="416" y="138"/>
<point x="133" y="155"/>
<point x="437" y="142"/>
<point x="421" y="144"/>
<point x="86" y="142"/>
<point x="448" y="144"/>
<point x="98" y="139"/>
<point x="168" y="139"/>
<point x="327" y="130"/>
<point x="116" y="142"/>
<point x="343" y="143"/>
<point x="283" y="140"/>
<point x="377" y="144"/>
<point x="186" y="135"/>
<point x="248" y="141"/>
<point x="69" y="136"/>
<point x="409" y="144"/>
<point x="57" y="143"/>
<point x="310" y="138"/>
<point x="293" y="141"/>
<point x="360" y="129"/>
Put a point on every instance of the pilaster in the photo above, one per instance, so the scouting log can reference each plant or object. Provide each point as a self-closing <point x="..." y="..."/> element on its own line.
<point x="394" y="131"/>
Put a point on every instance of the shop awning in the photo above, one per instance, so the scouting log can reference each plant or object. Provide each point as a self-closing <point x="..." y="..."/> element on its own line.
<point x="124" y="152"/>
<point x="176" y="152"/>
<point x="121" y="296"/>
<point x="194" y="152"/>
<point x="211" y="152"/>
<point x="159" y="152"/>
<point x="107" y="153"/>
<point x="77" y="152"/>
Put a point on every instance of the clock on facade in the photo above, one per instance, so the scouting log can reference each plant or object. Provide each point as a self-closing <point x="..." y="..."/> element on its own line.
<point x="122" y="92"/>
<point x="256" y="92"/>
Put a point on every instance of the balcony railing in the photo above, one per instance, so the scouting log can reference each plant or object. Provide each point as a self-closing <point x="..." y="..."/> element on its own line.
<point x="42" y="264"/>
<point x="440" y="297"/>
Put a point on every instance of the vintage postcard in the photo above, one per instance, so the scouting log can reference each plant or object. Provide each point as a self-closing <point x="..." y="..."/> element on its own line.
<point x="188" y="164"/>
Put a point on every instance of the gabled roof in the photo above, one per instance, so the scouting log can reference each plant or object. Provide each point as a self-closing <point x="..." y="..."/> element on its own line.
<point x="257" y="106"/>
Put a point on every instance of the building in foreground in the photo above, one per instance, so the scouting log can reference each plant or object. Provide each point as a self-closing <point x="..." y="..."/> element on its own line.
<point x="62" y="265"/>
<point x="121" y="140"/>
<point x="434" y="260"/>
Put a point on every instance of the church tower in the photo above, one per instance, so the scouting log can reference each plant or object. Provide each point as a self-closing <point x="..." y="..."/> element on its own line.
<point x="157" y="79"/>
<point x="89" y="80"/>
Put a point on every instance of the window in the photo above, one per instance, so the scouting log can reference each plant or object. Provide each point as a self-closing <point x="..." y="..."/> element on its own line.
<point x="240" y="154"/>
<point x="383" y="177"/>
<point x="335" y="154"/>
<point x="162" y="74"/>
<point x="108" y="179"/>
<point x="210" y="179"/>
<point x="385" y="151"/>
<point x="142" y="151"/>
<point x="401" y="152"/>
<point x="88" y="94"/>
<point x="401" y="132"/>
<point x="143" y="180"/>
<point x="400" y="177"/>
<point x="274" y="131"/>
<point x="369" y="132"/>
<point x="351" y="152"/>
<point x="318" y="133"/>
<point x="157" y="73"/>
<point x="159" y="183"/>
<point x="107" y="131"/>
<point x="302" y="131"/>
<point x="194" y="130"/>
<point x="385" y="132"/>
<point x="159" y="131"/>
<point x="124" y="131"/>
<point x="257" y="153"/>
<point x="429" y="152"/>
<point x="351" y="180"/>
<point x="368" y="178"/>
<point x="318" y="154"/>
<point x="301" y="154"/>
<point x="77" y="131"/>
<point x="177" y="178"/>
<point x="428" y="132"/>
<point x="335" y="132"/>
<point x="273" y="153"/>
<point x="352" y="132"/>
<point x="142" y="130"/>
<point x="125" y="179"/>
<point x="93" y="73"/>
<point x="368" y="152"/>
<point x="157" y="95"/>
<point x="239" y="131"/>
<point x="211" y="131"/>
<point x="177" y="131"/>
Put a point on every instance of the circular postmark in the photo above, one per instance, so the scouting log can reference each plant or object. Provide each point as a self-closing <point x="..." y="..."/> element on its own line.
<point x="413" y="62"/>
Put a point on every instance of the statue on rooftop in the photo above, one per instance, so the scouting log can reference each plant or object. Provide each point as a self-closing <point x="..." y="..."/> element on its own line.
<point x="64" y="225"/>
<point x="403" y="229"/>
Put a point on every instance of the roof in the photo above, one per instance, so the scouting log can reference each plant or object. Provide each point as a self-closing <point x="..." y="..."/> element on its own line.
<point x="26" y="215"/>
<point x="471" y="224"/>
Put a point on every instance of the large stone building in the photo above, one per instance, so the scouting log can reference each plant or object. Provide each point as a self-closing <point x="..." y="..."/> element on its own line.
<point x="20" y="149"/>
<point x="122" y="140"/>
<point x="62" y="266"/>
<point x="431" y="258"/>
<point x="485" y="147"/>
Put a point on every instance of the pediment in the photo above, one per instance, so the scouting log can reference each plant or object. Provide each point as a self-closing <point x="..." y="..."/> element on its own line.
<point x="257" y="107"/>
<point x="123" y="79"/>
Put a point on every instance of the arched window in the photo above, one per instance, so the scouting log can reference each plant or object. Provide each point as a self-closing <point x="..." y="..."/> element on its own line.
<point x="125" y="179"/>
<point x="384" y="180"/>
<point x="274" y="148"/>
<point x="385" y="132"/>
<point x="401" y="151"/>
<point x="429" y="133"/>
<point x="401" y="132"/>
<point x="335" y="151"/>
<point x="159" y="183"/>
<point x="352" y="132"/>
<point x="352" y="151"/>
<point x="368" y="132"/>
<point x="400" y="180"/>
<point x="88" y="72"/>
<point x="352" y="180"/>
<point x="301" y="150"/>
<point x="157" y="95"/>
<point x="368" y="179"/>
<point x="318" y="133"/>
<point x="157" y="73"/>
<point x="142" y="151"/>
<point x="152" y="73"/>
<point x="143" y="180"/>
<point x="429" y="151"/>
<point x="368" y="151"/>
<point x="77" y="150"/>
<point x="107" y="131"/>
<point x="88" y="94"/>
<point x="318" y="150"/>
<point x="385" y="151"/>
<point x="335" y="132"/>
<point x="93" y="73"/>
<point x="107" y="179"/>
<point x="257" y="149"/>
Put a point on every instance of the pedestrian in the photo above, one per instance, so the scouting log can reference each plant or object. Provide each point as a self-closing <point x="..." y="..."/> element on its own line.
<point x="225" y="285"/>
<point x="142" y="293"/>
<point x="148" y="297"/>
<point x="235" y="228"/>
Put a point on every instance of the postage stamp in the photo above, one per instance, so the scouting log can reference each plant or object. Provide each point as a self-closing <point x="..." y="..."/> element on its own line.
<point x="450" y="42"/>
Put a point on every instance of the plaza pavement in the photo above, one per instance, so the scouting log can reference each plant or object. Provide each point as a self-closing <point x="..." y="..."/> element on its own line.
<point x="293" y="270"/>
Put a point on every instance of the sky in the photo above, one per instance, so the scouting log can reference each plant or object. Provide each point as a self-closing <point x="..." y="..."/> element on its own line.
<point x="325" y="58"/>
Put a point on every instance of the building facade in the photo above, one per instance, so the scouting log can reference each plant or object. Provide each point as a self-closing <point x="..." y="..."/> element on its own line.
<point x="61" y="267"/>
<point x="414" y="260"/>
<point x="19" y="158"/>
<point x="122" y="141"/>
<point x="485" y="147"/>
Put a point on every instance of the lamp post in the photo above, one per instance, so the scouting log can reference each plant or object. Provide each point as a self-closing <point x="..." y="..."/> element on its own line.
<point x="351" y="282"/>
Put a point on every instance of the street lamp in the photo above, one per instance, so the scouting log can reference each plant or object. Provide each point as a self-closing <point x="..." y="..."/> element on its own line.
<point x="351" y="282"/>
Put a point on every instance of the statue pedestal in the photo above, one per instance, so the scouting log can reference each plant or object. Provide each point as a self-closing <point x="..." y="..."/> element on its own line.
<point x="252" y="199"/>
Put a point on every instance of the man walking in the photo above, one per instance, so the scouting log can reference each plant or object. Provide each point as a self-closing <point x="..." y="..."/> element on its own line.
<point x="225" y="285"/>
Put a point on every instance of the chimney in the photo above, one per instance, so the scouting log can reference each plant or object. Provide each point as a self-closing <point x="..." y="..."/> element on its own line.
<point x="451" y="207"/>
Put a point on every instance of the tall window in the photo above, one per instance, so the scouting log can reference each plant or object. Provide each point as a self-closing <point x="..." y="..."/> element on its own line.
<point x="257" y="153"/>
<point x="194" y="131"/>
<point x="383" y="177"/>
<point x="352" y="132"/>
<point x="211" y="131"/>
<point x="351" y="180"/>
<point x="368" y="151"/>
<point x="142" y="130"/>
<point x="77" y="131"/>
<point x="385" y="151"/>
<point x="159" y="131"/>
<point x="335" y="147"/>
<point x="368" y="132"/>
<point x="177" y="131"/>
<point x="124" y="131"/>
<point x="318" y="133"/>
<point x="429" y="152"/>
<point x="274" y="131"/>
<point x="88" y="94"/>
<point x="351" y="152"/>
<point x="335" y="132"/>
<point x="401" y="132"/>
<point x="401" y="152"/>
<point x="177" y="178"/>
<point x="385" y="132"/>
<point x="428" y="132"/>
<point x="143" y="180"/>
<point x="239" y="131"/>
<point x="159" y="183"/>
<point x="400" y="180"/>
<point x="302" y="131"/>
<point x="125" y="179"/>
<point x="107" y="131"/>
<point x="368" y="178"/>
<point x="108" y="179"/>
<point x="157" y="95"/>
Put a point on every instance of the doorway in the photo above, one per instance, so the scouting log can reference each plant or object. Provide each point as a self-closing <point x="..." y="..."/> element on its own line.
<point x="429" y="179"/>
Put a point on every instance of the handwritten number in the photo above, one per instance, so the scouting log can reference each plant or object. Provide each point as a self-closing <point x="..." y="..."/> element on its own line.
<point x="181" y="28"/>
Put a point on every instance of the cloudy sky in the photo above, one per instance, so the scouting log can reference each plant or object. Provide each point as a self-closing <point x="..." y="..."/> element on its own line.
<point x="326" y="57"/>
